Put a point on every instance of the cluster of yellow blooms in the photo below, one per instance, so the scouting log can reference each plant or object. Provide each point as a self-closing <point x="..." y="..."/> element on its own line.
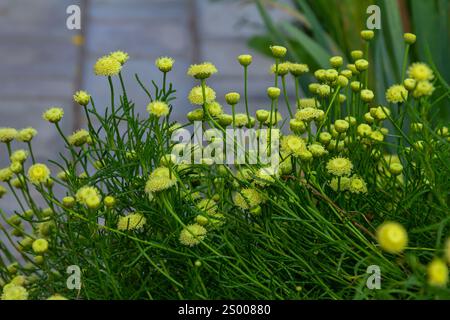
<point x="331" y="142"/>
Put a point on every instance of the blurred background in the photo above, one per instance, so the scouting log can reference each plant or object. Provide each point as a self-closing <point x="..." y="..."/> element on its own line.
<point x="43" y="62"/>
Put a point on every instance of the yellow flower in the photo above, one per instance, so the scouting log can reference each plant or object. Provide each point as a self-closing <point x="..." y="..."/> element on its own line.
<point x="86" y="192"/>
<point x="160" y="179"/>
<point x="392" y="237"/>
<point x="192" y="234"/>
<point x="202" y="71"/>
<point x="3" y="191"/>
<point x="214" y="108"/>
<point x="409" y="38"/>
<point x="241" y="119"/>
<point x="7" y="134"/>
<point x="131" y="222"/>
<point x="232" y="98"/>
<point x="78" y="138"/>
<point x="420" y="72"/>
<point x="107" y="66"/>
<point x="396" y="94"/>
<point x="40" y="246"/>
<point x="158" y="108"/>
<point x="82" y="98"/>
<point x="317" y="150"/>
<point x="339" y="166"/>
<point x="292" y="144"/>
<point x="196" y="95"/>
<point x="308" y="103"/>
<point x="357" y="185"/>
<point x="164" y="64"/>
<point x="14" y="292"/>
<point x="26" y="135"/>
<point x="247" y="198"/>
<point x="38" y="173"/>
<point x="283" y="68"/>
<point x="53" y="115"/>
<point x="367" y="35"/>
<point x="273" y="92"/>
<point x="423" y="88"/>
<point x="19" y="156"/>
<point x="344" y="184"/>
<point x="323" y="90"/>
<point x="278" y="51"/>
<point x="120" y="56"/>
<point x="109" y="201"/>
<point x="245" y="60"/>
<point x="297" y="69"/>
<point x="437" y="272"/>
<point x="308" y="114"/>
<point x="57" y="297"/>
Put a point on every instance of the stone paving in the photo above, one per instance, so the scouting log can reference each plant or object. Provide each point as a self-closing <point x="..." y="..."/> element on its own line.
<point x="42" y="67"/>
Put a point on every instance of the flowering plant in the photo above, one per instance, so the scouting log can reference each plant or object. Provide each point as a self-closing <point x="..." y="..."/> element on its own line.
<point x="351" y="191"/>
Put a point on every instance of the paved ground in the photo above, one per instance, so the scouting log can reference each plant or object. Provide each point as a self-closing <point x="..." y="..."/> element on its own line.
<point x="42" y="67"/>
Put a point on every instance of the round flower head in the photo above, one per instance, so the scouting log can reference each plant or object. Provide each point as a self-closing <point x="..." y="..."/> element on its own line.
<point x="392" y="237"/>
<point x="109" y="201"/>
<point x="367" y="35"/>
<point x="352" y="68"/>
<point x="283" y="68"/>
<point x="26" y="135"/>
<point x="158" y="108"/>
<point x="160" y="179"/>
<point x="38" y="173"/>
<point x="164" y="64"/>
<point x="361" y="64"/>
<point x="19" y="156"/>
<point x="423" y="88"/>
<point x="341" y="126"/>
<point x="278" y="51"/>
<point x="331" y="75"/>
<point x="196" y="95"/>
<point x="7" y="134"/>
<point x="247" y="198"/>
<point x="120" y="56"/>
<point x="346" y="73"/>
<point x="195" y="115"/>
<point x="339" y="166"/>
<point x="410" y="38"/>
<point x="367" y="95"/>
<point x="262" y="115"/>
<point x="437" y="272"/>
<point x="232" y="98"/>
<point x="356" y="54"/>
<point x="93" y="202"/>
<point x="297" y="69"/>
<point x="245" y="60"/>
<point x="107" y="66"/>
<point x="297" y="126"/>
<point x="131" y="222"/>
<point x="57" y="297"/>
<point x="409" y="84"/>
<point x="395" y="168"/>
<point x="342" y="81"/>
<point x="273" y="92"/>
<point x="192" y="234"/>
<point x="225" y="119"/>
<point x="68" y="202"/>
<point x="355" y="86"/>
<point x="317" y="150"/>
<point x="202" y="71"/>
<point x="396" y="94"/>
<point x="6" y="174"/>
<point x="53" y="115"/>
<point x="292" y="144"/>
<point x="14" y="292"/>
<point x="336" y="61"/>
<point x="420" y="71"/>
<point x="324" y="90"/>
<point x="82" y="98"/>
<point x="214" y="108"/>
<point x="40" y="246"/>
<point x="78" y="138"/>
<point x="307" y="103"/>
<point x="309" y="114"/>
<point x="84" y="193"/>
<point x="320" y="75"/>
<point x="357" y="185"/>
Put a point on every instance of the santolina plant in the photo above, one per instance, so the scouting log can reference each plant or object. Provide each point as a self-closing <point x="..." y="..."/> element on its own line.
<point x="350" y="190"/>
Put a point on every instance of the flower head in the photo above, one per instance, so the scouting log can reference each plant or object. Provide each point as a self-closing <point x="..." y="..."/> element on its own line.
<point x="214" y="108"/>
<point x="78" y="138"/>
<point x="245" y="60"/>
<point x="164" y="64"/>
<point x="56" y="297"/>
<point x="308" y="114"/>
<point x="14" y="292"/>
<point x="357" y="185"/>
<point x="53" y="114"/>
<point x="297" y="69"/>
<point x="396" y="93"/>
<point x="437" y="272"/>
<point x="281" y="69"/>
<point x="26" y="135"/>
<point x="202" y="71"/>
<point x="192" y="234"/>
<point x="308" y="103"/>
<point x="40" y="246"/>
<point x="160" y="179"/>
<point x="38" y="173"/>
<point x="292" y="144"/>
<point x="392" y="237"/>
<point x="120" y="56"/>
<point x="85" y="193"/>
<point x="158" y="108"/>
<point x="82" y="98"/>
<point x="19" y="156"/>
<point x="423" y="88"/>
<point x="6" y="174"/>
<point x="107" y="66"/>
<point x="278" y="51"/>
<point x="131" y="222"/>
<point x="196" y="95"/>
<point x="420" y="71"/>
<point x="247" y="198"/>
<point x="340" y="166"/>
<point x="7" y="134"/>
